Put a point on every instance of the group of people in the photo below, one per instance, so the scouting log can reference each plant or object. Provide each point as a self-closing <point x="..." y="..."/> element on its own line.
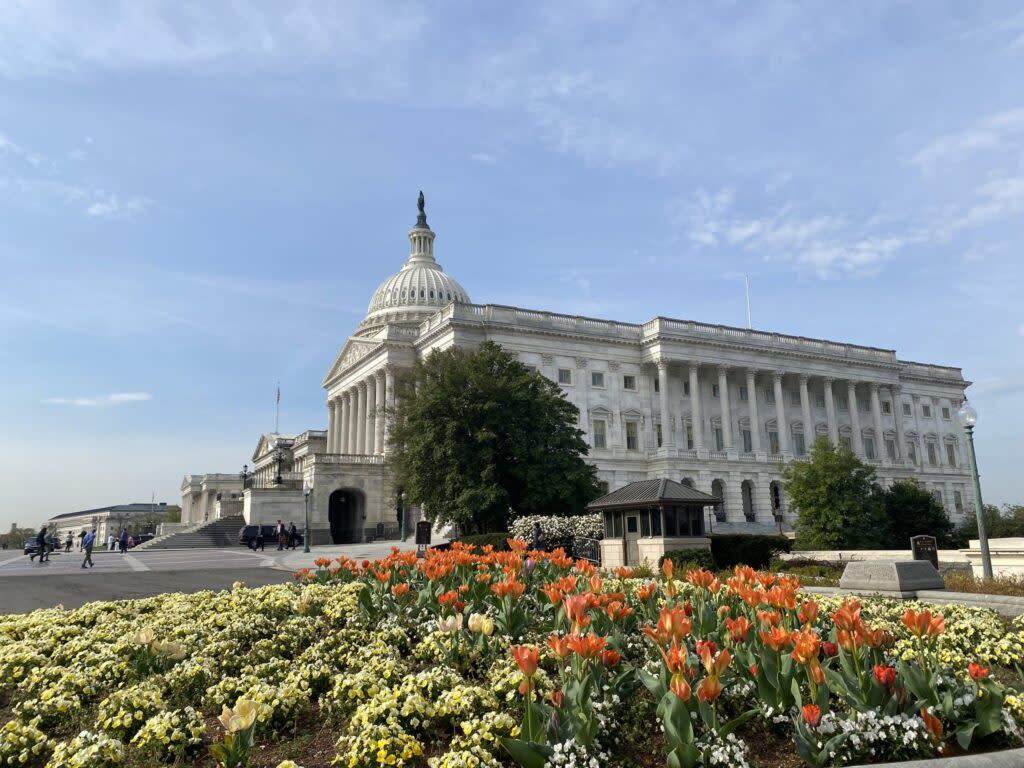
<point x="287" y="537"/>
<point x="88" y="540"/>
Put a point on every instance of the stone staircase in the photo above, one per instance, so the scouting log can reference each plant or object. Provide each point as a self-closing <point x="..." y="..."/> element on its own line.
<point x="222" y="532"/>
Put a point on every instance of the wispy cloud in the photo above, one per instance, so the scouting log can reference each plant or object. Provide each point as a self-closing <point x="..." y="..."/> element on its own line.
<point x="117" y="398"/>
<point x="113" y="207"/>
<point x="1000" y="130"/>
<point x="483" y="157"/>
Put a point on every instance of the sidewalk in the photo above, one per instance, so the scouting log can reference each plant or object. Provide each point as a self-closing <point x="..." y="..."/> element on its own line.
<point x="293" y="560"/>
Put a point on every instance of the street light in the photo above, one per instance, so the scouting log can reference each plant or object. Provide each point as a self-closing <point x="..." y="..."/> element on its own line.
<point x="968" y="418"/>
<point x="401" y="512"/>
<point x="306" y="488"/>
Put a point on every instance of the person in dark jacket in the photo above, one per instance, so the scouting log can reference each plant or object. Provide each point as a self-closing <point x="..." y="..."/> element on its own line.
<point x="259" y="541"/>
<point x="282" y="535"/>
<point x="41" y="546"/>
<point x="68" y="542"/>
<point x="538" y="536"/>
<point x="87" y="541"/>
<point x="293" y="536"/>
<point x="123" y="541"/>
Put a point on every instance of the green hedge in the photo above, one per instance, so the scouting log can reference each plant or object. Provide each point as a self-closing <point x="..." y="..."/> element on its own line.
<point x="497" y="540"/>
<point x="685" y="559"/>
<point x="757" y="551"/>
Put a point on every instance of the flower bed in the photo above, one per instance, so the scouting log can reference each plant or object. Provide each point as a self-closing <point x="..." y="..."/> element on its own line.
<point x="504" y="659"/>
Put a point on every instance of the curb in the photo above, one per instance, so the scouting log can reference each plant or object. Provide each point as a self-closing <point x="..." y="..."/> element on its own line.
<point x="1008" y="758"/>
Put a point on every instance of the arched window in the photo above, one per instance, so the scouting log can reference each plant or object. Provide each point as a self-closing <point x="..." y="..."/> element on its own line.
<point x="431" y="293"/>
<point x="421" y="294"/>
<point x="747" y="491"/>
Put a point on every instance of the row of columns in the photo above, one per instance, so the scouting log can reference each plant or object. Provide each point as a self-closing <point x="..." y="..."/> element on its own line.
<point x="668" y="422"/>
<point x="357" y="417"/>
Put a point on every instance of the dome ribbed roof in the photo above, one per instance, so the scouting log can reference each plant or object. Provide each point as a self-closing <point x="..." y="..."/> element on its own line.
<point x="419" y="289"/>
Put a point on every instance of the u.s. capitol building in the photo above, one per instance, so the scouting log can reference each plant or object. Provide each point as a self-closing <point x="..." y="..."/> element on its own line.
<point x="716" y="407"/>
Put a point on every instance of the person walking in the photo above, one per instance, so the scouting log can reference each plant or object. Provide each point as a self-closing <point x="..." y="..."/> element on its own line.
<point x="68" y="542"/>
<point x="42" y="547"/>
<point x="87" y="541"/>
<point x="282" y="536"/>
<point x="259" y="543"/>
<point x="123" y="541"/>
<point x="110" y="542"/>
<point x="293" y="536"/>
<point x="538" y="536"/>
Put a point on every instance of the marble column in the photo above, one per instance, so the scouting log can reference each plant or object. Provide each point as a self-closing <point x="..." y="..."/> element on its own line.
<point x="876" y="417"/>
<point x="389" y="399"/>
<point x="371" y="415"/>
<point x="350" y="420"/>
<point x="922" y="453"/>
<point x="360" y="419"/>
<point x="336" y="432"/>
<point x="810" y="434"/>
<point x="780" y="413"/>
<point x="856" y="437"/>
<point x="830" y="411"/>
<point x="696" y="416"/>
<point x="666" y="417"/>
<point x="378" y="423"/>
<point x="755" y="420"/>
<point x="331" y="423"/>
<point x="723" y="394"/>
<point x="897" y="416"/>
<point x="936" y="409"/>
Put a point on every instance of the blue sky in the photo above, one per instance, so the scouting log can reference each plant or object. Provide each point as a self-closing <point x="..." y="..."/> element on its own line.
<point x="198" y="199"/>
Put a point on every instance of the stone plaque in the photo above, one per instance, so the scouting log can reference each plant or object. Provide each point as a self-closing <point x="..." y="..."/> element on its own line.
<point x="925" y="548"/>
<point x="422" y="537"/>
<point x="891" y="578"/>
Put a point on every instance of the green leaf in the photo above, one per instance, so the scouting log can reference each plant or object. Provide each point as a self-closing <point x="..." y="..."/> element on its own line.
<point x="527" y="754"/>
<point x="736" y="722"/>
<point x="964" y="734"/>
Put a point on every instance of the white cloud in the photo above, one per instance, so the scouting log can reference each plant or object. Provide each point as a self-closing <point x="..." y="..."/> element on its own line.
<point x="113" y="207"/>
<point x="483" y="157"/>
<point x="997" y="131"/>
<point x="1020" y="331"/>
<point x="116" y="398"/>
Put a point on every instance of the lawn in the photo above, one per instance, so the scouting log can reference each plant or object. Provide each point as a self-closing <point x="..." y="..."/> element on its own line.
<point x="502" y="659"/>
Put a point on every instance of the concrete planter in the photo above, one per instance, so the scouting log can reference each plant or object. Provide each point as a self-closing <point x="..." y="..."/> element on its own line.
<point x="1007" y="758"/>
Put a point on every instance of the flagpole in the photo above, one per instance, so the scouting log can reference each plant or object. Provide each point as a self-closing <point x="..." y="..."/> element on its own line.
<point x="277" y="408"/>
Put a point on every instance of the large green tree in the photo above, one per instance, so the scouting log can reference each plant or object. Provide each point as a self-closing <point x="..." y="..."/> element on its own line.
<point x="999" y="524"/>
<point x="838" y="506"/>
<point x="910" y="510"/>
<point x="477" y="438"/>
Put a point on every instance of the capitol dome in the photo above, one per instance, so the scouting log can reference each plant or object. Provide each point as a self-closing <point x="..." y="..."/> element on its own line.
<point x="419" y="289"/>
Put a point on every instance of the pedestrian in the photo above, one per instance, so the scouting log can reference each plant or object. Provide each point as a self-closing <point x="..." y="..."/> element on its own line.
<point x="110" y="542"/>
<point x="282" y="535"/>
<point x="41" y="546"/>
<point x="260" y="541"/>
<point x="538" y="536"/>
<point x="68" y="542"/>
<point x="124" y="541"/>
<point x="293" y="536"/>
<point x="87" y="541"/>
<point x="131" y="542"/>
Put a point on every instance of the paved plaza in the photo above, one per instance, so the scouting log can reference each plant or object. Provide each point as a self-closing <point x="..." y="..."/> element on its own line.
<point x="27" y="585"/>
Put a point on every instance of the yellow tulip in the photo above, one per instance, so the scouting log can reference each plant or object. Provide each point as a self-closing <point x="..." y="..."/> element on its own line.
<point x="144" y="636"/>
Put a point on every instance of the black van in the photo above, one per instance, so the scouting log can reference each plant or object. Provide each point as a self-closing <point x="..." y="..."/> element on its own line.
<point x="247" y="536"/>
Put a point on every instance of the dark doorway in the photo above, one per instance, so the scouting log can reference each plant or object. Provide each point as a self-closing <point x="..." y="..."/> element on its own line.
<point x="345" y="515"/>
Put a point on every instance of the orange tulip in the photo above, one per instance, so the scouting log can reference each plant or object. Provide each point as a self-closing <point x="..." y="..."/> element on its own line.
<point x="624" y="573"/>
<point x="812" y="714"/>
<point x="932" y="723"/>
<point x="808" y="612"/>
<point x="610" y="658"/>
<point x="576" y="610"/>
<point x="805" y="646"/>
<point x="586" y="647"/>
<point x="675" y="657"/>
<point x="559" y="646"/>
<point x="769" y="618"/>
<point x="680" y="687"/>
<point x="646" y="592"/>
<point x="739" y="628"/>
<point x="977" y="671"/>
<point x="777" y="639"/>
<point x="400" y="589"/>
<point x="510" y="587"/>
<point x="527" y="657"/>
<point x="847" y="616"/>
<point x="700" y="578"/>
<point x="709" y="689"/>
<point x="553" y="593"/>
<point x="923" y="624"/>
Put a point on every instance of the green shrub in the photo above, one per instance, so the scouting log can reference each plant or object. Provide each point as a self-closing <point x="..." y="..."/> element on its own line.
<point x="755" y="550"/>
<point x="685" y="559"/>
<point x="497" y="540"/>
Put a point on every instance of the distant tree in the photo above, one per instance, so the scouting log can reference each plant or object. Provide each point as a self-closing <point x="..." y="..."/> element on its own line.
<point x="172" y="514"/>
<point x="838" y="506"/>
<point x="16" y="536"/>
<point x="999" y="524"/>
<point x="477" y="438"/>
<point x="910" y="510"/>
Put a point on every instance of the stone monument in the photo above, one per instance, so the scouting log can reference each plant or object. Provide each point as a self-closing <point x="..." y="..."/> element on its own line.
<point x="925" y="548"/>
<point x="891" y="578"/>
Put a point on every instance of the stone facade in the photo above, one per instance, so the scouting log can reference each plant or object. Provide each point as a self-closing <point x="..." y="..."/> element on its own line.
<point x="716" y="407"/>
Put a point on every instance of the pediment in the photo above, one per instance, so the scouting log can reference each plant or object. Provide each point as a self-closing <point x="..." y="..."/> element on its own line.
<point x="351" y="353"/>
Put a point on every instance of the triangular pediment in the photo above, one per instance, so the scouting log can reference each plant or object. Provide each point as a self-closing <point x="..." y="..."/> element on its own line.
<point x="350" y="354"/>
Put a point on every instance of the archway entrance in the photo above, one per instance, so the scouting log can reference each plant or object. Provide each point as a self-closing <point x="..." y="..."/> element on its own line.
<point x="718" y="489"/>
<point x="747" y="489"/>
<point x="345" y="515"/>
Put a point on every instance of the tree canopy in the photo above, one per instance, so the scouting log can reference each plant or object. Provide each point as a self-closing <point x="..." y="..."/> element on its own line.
<point x="837" y="504"/>
<point x="910" y="510"/>
<point x="477" y="437"/>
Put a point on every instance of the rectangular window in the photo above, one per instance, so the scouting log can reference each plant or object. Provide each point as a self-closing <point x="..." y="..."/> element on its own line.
<point x="798" y="444"/>
<point x="912" y="451"/>
<point x="645" y="522"/>
<point x="600" y="433"/>
<point x="629" y="382"/>
<point x="657" y="385"/>
<point x="769" y="395"/>
<point x="657" y="430"/>
<point x="926" y="411"/>
<point x="719" y="441"/>
<point x="632" y="439"/>
<point x="532" y="369"/>
<point x="743" y="393"/>
<point x="670" y="521"/>
<point x="937" y="495"/>
<point x="714" y="390"/>
<point x="869" y="447"/>
<point x="819" y="401"/>
<point x="886" y="406"/>
<point x="933" y="455"/>
<point x="842" y="405"/>
<point x="689" y="437"/>
<point x="597" y="379"/>
<point x="617" y="525"/>
<point x="794" y="397"/>
<point x="609" y="529"/>
<point x="844" y="442"/>
<point x="958" y="501"/>
<point x="631" y="526"/>
<point x="864" y="405"/>
<point x="890" y="449"/>
<point x="951" y="454"/>
<point x="686" y="388"/>
<point x="655" y="522"/>
<point x="564" y="376"/>
<point x="945" y="413"/>
<point x="773" y="443"/>
<point x="748" y="443"/>
<point x="906" y="410"/>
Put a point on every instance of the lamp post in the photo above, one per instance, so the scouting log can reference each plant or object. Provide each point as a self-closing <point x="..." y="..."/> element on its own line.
<point x="401" y="513"/>
<point x="244" y="474"/>
<point x="968" y="418"/>
<point x="306" y="489"/>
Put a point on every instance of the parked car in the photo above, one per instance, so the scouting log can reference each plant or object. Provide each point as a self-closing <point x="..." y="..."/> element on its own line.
<point x="141" y="539"/>
<point x="247" y="536"/>
<point x="32" y="548"/>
